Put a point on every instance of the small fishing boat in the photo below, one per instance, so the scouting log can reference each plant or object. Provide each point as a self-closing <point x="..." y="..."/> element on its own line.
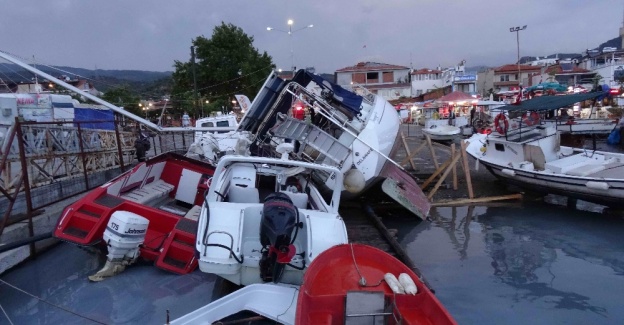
<point x="150" y="211"/>
<point x="532" y="157"/>
<point x="265" y="220"/>
<point x="357" y="284"/>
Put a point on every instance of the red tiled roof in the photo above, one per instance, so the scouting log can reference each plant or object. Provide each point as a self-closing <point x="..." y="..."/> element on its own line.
<point x="371" y="66"/>
<point x="557" y="69"/>
<point x="426" y="71"/>
<point x="385" y="86"/>
<point x="514" y="68"/>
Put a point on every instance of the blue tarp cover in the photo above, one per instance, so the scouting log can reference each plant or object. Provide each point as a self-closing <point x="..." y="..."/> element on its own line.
<point x="348" y="99"/>
<point x="83" y="114"/>
<point x="546" y="103"/>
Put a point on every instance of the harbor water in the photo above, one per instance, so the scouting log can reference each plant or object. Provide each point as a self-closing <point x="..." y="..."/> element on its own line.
<point x="535" y="264"/>
<point x="532" y="264"/>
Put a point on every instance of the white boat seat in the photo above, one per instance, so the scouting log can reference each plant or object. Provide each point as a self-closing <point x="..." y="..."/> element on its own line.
<point x="193" y="213"/>
<point x="239" y="194"/>
<point x="149" y="192"/>
<point x="300" y="200"/>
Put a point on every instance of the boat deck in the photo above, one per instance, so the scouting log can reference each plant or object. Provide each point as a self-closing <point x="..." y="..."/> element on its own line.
<point x="616" y="172"/>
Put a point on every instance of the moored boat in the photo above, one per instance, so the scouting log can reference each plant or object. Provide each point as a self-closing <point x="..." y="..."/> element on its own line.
<point x="349" y="284"/>
<point x="532" y="157"/>
<point x="264" y="220"/>
<point x="165" y="192"/>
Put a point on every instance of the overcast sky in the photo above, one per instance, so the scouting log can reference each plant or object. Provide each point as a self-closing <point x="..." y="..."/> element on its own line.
<point x="150" y="35"/>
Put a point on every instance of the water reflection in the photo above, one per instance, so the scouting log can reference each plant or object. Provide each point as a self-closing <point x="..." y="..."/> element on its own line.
<point x="539" y="257"/>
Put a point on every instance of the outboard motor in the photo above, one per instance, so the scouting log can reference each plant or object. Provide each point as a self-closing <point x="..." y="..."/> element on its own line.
<point x="124" y="233"/>
<point x="279" y="219"/>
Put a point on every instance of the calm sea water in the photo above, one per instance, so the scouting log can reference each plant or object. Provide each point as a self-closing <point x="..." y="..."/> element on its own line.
<point x="538" y="264"/>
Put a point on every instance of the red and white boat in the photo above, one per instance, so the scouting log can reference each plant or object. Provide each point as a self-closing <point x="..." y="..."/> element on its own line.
<point x="346" y="285"/>
<point x="150" y="211"/>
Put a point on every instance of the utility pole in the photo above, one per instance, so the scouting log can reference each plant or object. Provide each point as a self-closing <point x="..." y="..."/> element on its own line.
<point x="517" y="30"/>
<point x="194" y="79"/>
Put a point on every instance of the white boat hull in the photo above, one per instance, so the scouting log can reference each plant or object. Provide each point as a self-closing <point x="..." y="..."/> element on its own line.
<point x="279" y="307"/>
<point x="595" y="176"/>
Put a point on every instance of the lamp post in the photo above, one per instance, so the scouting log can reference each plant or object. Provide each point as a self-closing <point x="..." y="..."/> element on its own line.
<point x="517" y="30"/>
<point x="290" y="32"/>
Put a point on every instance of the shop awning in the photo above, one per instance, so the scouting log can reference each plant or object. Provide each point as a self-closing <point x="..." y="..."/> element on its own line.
<point x="546" y="103"/>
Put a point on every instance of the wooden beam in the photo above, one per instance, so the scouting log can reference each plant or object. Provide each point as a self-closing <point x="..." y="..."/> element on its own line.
<point x="435" y="174"/>
<point x="464" y="155"/>
<point x="414" y="153"/>
<point x="448" y="170"/>
<point x="433" y="155"/>
<point x="454" y="168"/>
<point x="407" y="151"/>
<point x="517" y="196"/>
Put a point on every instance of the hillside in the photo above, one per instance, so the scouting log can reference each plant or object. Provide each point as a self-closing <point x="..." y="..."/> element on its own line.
<point x="139" y="80"/>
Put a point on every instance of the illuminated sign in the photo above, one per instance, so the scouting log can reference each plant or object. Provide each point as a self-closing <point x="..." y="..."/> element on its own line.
<point x="465" y="78"/>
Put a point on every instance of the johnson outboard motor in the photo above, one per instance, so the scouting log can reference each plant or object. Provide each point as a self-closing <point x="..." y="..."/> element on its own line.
<point x="279" y="219"/>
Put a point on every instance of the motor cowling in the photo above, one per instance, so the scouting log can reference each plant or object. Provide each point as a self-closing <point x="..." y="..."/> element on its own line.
<point x="124" y="233"/>
<point x="279" y="218"/>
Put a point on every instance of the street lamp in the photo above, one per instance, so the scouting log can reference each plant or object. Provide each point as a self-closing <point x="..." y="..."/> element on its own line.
<point x="517" y="30"/>
<point x="290" y="32"/>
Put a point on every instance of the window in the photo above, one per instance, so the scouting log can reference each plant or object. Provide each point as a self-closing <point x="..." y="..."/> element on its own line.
<point x="504" y="77"/>
<point x="499" y="147"/>
<point x="207" y="125"/>
<point x="223" y="123"/>
<point x="372" y="77"/>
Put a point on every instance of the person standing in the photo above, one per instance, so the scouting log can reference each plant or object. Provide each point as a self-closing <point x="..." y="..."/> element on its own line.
<point x="186" y="120"/>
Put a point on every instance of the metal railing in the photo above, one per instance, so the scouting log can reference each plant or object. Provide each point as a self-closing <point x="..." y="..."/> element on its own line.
<point x="42" y="163"/>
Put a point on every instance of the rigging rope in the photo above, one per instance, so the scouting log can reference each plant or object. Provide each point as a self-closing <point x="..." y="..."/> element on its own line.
<point x="51" y="304"/>
<point x="362" y="281"/>
<point x="6" y="315"/>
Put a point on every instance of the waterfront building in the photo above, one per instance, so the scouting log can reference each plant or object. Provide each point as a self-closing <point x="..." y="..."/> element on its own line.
<point x="386" y="80"/>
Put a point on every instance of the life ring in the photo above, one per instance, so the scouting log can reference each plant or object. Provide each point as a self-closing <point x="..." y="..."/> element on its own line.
<point x="501" y="123"/>
<point x="534" y="118"/>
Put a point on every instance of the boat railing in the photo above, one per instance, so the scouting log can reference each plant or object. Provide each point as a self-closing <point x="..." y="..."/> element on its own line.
<point x="319" y="103"/>
<point x="359" y="89"/>
<point x="206" y="244"/>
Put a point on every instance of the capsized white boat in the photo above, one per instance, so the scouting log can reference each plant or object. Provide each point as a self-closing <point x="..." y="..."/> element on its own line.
<point x="355" y="132"/>
<point x="264" y="220"/>
<point x="532" y="157"/>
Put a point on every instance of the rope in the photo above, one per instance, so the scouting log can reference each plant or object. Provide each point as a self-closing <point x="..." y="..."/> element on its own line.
<point x="291" y="303"/>
<point x="49" y="303"/>
<point x="6" y="315"/>
<point x="362" y="281"/>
